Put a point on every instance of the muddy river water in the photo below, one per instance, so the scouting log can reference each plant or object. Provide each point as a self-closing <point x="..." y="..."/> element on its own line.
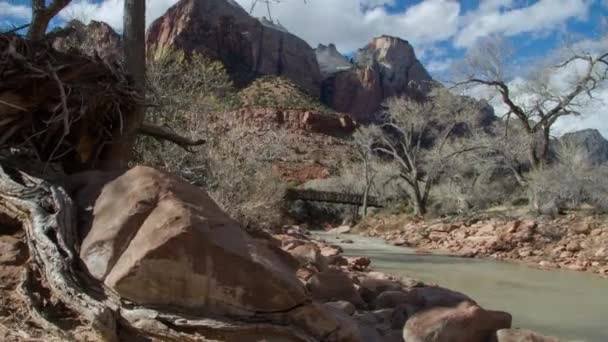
<point x="566" y="304"/>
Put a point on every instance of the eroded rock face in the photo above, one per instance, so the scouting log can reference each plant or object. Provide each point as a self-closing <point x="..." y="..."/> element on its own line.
<point x="386" y="67"/>
<point x="157" y="240"/>
<point x="248" y="48"/>
<point x="95" y="39"/>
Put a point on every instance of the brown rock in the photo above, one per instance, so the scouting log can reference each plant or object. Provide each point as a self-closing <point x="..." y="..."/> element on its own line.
<point x="438" y="236"/>
<point x="359" y="263"/>
<point x="464" y="323"/>
<point x="601" y="253"/>
<point x="431" y="296"/>
<point x="247" y="47"/>
<point x="342" y="305"/>
<point x="330" y="251"/>
<point x="391" y="299"/>
<point x="309" y="254"/>
<point x="158" y="240"/>
<point x="522" y="335"/>
<point x="340" y="230"/>
<point x="333" y="285"/>
<point x="573" y="246"/>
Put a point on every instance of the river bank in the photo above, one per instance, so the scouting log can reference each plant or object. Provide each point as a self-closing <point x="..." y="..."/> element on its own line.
<point x="574" y="242"/>
<point x="570" y="305"/>
<point x="392" y="306"/>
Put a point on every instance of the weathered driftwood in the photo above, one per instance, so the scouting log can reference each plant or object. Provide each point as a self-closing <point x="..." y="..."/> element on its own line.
<point x="47" y="215"/>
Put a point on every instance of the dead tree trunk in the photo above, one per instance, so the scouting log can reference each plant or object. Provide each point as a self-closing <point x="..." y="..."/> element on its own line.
<point x="134" y="36"/>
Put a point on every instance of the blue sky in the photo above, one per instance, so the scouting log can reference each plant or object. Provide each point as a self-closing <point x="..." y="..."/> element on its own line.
<point x="441" y="31"/>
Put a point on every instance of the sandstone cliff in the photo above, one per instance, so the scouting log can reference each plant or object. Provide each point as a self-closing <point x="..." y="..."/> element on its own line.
<point x="247" y="47"/>
<point x="386" y="67"/>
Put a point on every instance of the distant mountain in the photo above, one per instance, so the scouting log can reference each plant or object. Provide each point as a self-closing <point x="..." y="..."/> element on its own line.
<point x="590" y="141"/>
<point x="386" y="67"/>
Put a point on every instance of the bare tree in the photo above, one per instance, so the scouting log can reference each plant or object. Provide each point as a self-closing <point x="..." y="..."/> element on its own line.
<point x="539" y="103"/>
<point x="42" y="15"/>
<point x="363" y="142"/>
<point x="417" y="138"/>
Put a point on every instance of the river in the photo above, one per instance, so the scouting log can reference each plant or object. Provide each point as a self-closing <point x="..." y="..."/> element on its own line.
<point x="569" y="305"/>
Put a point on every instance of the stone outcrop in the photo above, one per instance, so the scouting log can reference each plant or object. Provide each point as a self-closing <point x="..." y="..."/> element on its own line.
<point x="222" y="29"/>
<point x="95" y="39"/>
<point x="386" y="67"/>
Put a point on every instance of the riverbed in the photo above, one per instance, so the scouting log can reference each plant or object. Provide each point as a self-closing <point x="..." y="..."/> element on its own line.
<point x="570" y="305"/>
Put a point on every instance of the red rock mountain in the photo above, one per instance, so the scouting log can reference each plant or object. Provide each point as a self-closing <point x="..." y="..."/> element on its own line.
<point x="96" y="38"/>
<point x="386" y="67"/>
<point x="247" y="47"/>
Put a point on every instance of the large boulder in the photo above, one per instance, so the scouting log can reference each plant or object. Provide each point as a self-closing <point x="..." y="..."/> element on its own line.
<point x="464" y="323"/>
<point x="157" y="240"/>
<point x="590" y="142"/>
<point x="247" y="46"/>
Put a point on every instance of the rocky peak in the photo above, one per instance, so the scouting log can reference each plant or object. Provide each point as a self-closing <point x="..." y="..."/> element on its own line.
<point x="385" y="67"/>
<point x="330" y="60"/>
<point x="248" y="47"/>
<point x="96" y="38"/>
<point x="399" y="68"/>
<point x="590" y="141"/>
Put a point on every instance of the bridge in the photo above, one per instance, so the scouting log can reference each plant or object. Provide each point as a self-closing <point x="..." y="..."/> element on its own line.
<point x="331" y="197"/>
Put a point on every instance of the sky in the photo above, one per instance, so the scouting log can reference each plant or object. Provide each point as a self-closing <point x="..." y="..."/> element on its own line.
<point x="441" y="31"/>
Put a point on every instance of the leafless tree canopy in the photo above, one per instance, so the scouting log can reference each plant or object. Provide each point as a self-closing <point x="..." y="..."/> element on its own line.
<point x="542" y="103"/>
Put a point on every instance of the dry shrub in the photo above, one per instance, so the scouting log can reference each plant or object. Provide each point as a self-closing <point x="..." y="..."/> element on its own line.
<point x="571" y="181"/>
<point x="234" y="164"/>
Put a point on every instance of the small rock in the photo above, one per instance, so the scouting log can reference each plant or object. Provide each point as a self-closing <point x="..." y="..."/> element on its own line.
<point x="573" y="246"/>
<point x="347" y="241"/>
<point x="342" y="305"/>
<point x="340" y="230"/>
<point x="438" y="236"/>
<point x="566" y="255"/>
<point x="390" y="299"/>
<point x="601" y="253"/>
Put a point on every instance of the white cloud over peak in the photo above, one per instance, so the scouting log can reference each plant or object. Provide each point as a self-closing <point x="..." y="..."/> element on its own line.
<point x="540" y="16"/>
<point x="347" y="24"/>
<point x="111" y="11"/>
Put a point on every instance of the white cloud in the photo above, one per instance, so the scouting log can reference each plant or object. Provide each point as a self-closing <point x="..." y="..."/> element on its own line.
<point x="8" y="10"/>
<point x="542" y="15"/>
<point x="111" y="11"/>
<point x="349" y="26"/>
<point x="435" y="66"/>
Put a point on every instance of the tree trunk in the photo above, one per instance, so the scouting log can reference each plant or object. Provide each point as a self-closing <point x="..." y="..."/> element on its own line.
<point x="40" y="22"/>
<point x="367" y="186"/>
<point x="134" y="36"/>
<point x="419" y="201"/>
